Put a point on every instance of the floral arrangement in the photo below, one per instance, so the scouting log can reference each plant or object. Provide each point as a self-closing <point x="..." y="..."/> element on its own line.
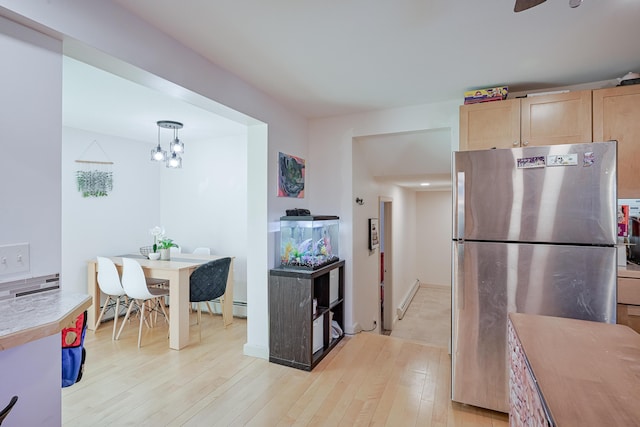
<point x="160" y="241"/>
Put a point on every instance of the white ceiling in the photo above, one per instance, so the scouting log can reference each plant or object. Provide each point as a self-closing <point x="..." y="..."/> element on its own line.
<point x="98" y="101"/>
<point x="345" y="56"/>
<point x="332" y="57"/>
<point x="410" y="159"/>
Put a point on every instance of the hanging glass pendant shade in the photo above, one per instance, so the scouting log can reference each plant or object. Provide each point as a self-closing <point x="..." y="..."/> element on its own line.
<point x="158" y="154"/>
<point x="172" y="159"/>
<point x="176" y="146"/>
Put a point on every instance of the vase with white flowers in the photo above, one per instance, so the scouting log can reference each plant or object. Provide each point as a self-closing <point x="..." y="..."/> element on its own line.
<point x="161" y="243"/>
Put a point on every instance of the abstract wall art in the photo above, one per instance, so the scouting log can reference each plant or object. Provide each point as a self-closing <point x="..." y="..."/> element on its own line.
<point x="290" y="176"/>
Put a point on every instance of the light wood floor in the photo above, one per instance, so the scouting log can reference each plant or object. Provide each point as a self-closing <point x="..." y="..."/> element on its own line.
<point x="428" y="317"/>
<point x="366" y="380"/>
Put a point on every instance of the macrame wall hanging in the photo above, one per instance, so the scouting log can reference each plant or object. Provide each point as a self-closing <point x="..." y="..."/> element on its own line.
<point x="94" y="177"/>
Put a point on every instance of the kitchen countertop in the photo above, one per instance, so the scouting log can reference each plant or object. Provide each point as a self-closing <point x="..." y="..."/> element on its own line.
<point x="631" y="271"/>
<point x="587" y="372"/>
<point x="31" y="317"/>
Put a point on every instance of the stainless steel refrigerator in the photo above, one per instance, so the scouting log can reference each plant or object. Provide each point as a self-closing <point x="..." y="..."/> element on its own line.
<point x="534" y="232"/>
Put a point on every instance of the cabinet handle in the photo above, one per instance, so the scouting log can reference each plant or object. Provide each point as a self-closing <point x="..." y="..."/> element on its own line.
<point x="525" y="143"/>
<point x="515" y="143"/>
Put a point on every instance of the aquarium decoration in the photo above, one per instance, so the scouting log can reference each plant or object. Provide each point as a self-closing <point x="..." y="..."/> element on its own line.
<point x="290" y="176"/>
<point x="308" y="242"/>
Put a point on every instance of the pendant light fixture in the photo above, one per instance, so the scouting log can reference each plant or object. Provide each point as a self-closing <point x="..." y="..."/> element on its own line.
<point x="176" y="147"/>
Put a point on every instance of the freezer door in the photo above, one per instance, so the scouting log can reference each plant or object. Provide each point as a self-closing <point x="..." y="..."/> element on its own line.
<point x="493" y="279"/>
<point x="551" y="194"/>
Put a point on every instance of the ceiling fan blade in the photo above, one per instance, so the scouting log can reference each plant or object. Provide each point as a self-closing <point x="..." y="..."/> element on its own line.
<point x="526" y="4"/>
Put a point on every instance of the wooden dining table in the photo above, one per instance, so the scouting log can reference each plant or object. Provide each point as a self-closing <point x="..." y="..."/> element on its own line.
<point x="177" y="271"/>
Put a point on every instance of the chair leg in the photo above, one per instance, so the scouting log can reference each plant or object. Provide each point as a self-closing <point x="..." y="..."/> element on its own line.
<point x="164" y="310"/>
<point x="209" y="307"/>
<point x="153" y="313"/>
<point x="115" y="318"/>
<point x="104" y="309"/>
<point x="141" y="320"/>
<point x="146" y="321"/>
<point x="126" y="317"/>
<point x="199" y="323"/>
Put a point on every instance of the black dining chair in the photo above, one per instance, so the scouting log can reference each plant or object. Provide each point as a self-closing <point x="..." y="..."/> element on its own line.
<point x="208" y="282"/>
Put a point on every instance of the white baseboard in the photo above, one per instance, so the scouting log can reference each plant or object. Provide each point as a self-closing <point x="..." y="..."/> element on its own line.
<point x="255" y="351"/>
<point x="354" y="329"/>
<point x="405" y="304"/>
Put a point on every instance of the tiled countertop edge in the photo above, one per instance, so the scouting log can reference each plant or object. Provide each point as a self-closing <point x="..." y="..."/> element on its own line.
<point x="31" y="317"/>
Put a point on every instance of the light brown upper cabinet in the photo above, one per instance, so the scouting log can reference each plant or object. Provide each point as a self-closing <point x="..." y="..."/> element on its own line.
<point x="536" y="120"/>
<point x="490" y="124"/>
<point x="616" y="115"/>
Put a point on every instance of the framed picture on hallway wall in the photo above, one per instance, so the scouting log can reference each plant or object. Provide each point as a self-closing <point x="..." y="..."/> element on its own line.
<point x="374" y="238"/>
<point x="290" y="176"/>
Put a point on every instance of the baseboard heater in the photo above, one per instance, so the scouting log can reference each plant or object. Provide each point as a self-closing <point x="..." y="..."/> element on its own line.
<point x="241" y="311"/>
<point x="405" y="304"/>
<point x="239" y="308"/>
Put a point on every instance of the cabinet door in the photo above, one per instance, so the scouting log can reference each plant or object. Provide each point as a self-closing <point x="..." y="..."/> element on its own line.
<point x="629" y="315"/>
<point x="616" y="115"/>
<point x="556" y="119"/>
<point x="490" y="124"/>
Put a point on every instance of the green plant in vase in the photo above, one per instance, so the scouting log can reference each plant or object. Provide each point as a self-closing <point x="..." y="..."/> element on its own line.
<point x="161" y="243"/>
<point x="164" y="244"/>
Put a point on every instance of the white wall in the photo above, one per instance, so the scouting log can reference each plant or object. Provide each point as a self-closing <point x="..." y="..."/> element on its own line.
<point x="112" y="225"/>
<point x="30" y="114"/>
<point x="205" y="202"/>
<point x="403" y="262"/>
<point x="30" y="204"/>
<point x="366" y="274"/>
<point x="334" y="185"/>
<point x="32" y="372"/>
<point x="202" y="204"/>
<point x="433" y="237"/>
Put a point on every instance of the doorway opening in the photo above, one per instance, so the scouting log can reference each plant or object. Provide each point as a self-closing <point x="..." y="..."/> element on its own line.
<point x="385" y="263"/>
<point x="217" y="131"/>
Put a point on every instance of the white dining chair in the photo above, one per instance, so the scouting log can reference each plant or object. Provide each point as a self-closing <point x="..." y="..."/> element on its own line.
<point x="110" y="285"/>
<point x="135" y="286"/>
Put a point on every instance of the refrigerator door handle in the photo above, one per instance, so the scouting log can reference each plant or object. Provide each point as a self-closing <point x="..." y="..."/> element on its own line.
<point x="460" y="276"/>
<point x="460" y="206"/>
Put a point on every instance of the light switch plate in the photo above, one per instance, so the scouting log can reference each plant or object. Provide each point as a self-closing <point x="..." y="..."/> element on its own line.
<point x="14" y="258"/>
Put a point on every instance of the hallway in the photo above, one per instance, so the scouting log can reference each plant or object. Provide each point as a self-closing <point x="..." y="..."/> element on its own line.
<point x="428" y="318"/>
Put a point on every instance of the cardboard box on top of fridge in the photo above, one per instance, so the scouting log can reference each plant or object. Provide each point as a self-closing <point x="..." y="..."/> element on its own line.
<point x="485" y="95"/>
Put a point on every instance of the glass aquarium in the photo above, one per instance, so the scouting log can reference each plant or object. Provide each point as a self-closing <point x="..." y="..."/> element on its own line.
<point x="308" y="242"/>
